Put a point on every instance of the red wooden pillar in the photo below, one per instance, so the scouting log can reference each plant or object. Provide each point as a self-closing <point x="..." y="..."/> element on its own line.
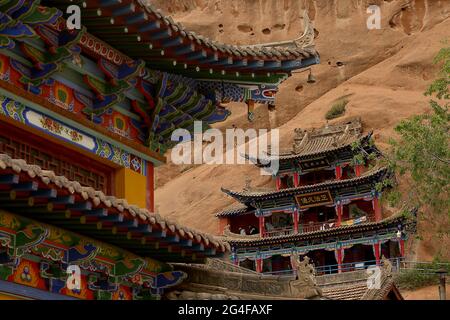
<point x="259" y="265"/>
<point x="150" y="187"/>
<point x="262" y="230"/>
<point x="296" y="179"/>
<point x="295" y="218"/>
<point x="377" y="208"/>
<point x="339" y="258"/>
<point x="223" y="222"/>
<point x="278" y="183"/>
<point x="376" y="251"/>
<point x="401" y="244"/>
<point x="338" y="172"/>
<point x="358" y="170"/>
<point x="339" y="212"/>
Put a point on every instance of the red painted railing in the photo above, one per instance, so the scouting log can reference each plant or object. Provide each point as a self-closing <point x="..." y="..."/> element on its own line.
<point x="309" y="227"/>
<point x="279" y="232"/>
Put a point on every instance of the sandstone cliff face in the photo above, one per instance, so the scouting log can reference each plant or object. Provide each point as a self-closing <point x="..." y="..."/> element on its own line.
<point x="383" y="73"/>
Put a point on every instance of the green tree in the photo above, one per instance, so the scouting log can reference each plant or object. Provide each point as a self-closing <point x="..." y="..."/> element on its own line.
<point x="421" y="154"/>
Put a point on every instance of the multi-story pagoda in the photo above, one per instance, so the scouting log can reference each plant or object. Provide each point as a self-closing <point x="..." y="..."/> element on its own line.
<point x="85" y="116"/>
<point x="326" y="205"/>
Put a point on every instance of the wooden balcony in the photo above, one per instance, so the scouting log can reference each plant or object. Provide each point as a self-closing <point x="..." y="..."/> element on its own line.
<point x="314" y="226"/>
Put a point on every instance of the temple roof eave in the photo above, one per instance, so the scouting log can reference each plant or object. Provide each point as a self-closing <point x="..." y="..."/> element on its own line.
<point x="16" y="170"/>
<point x="266" y="161"/>
<point x="170" y="40"/>
<point x="246" y="197"/>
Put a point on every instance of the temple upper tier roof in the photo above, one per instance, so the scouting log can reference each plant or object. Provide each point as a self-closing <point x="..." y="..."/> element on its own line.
<point x="43" y="196"/>
<point x="370" y="177"/>
<point x="330" y="139"/>
<point x="142" y="31"/>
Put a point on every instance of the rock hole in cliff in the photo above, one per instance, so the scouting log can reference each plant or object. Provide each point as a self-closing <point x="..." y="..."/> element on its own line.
<point x="299" y="88"/>
<point x="266" y="31"/>
<point x="279" y="26"/>
<point x="245" y="28"/>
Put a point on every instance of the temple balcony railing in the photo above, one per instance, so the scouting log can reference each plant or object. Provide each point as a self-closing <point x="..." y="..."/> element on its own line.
<point x="315" y="226"/>
<point x="397" y="264"/>
<point x="320" y="226"/>
<point x="279" y="232"/>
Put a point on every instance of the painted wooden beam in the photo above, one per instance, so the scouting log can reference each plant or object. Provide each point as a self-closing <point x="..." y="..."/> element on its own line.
<point x="224" y="61"/>
<point x="186" y="243"/>
<point x="255" y="64"/>
<point x="210" y="252"/>
<point x="125" y="10"/>
<point x="150" y="26"/>
<point x="108" y="3"/>
<point x="173" y="239"/>
<point x="49" y="193"/>
<point x="185" y="49"/>
<point x="238" y="64"/>
<point x="211" y="58"/>
<point x="143" y="228"/>
<point x="64" y="200"/>
<point x="100" y="213"/>
<point x="198" y="247"/>
<point x="113" y="218"/>
<point x="81" y="206"/>
<point x="133" y="223"/>
<point x="160" y="35"/>
<point x="9" y="179"/>
<point x="197" y="55"/>
<point x="26" y="186"/>
<point x="158" y="234"/>
<point x="173" y="42"/>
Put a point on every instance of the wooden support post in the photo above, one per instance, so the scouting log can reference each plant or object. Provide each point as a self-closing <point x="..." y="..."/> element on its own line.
<point x="259" y="265"/>
<point x="339" y="212"/>
<point x="401" y="244"/>
<point x="339" y="259"/>
<point x="376" y="251"/>
<point x="223" y="223"/>
<point x="358" y="170"/>
<point x="261" y="226"/>
<point x="377" y="208"/>
<point x="338" y="172"/>
<point x="295" y="218"/>
<point x="296" y="179"/>
<point x="278" y="183"/>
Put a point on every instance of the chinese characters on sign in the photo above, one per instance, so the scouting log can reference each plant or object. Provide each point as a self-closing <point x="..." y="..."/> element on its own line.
<point x="314" y="199"/>
<point x="314" y="164"/>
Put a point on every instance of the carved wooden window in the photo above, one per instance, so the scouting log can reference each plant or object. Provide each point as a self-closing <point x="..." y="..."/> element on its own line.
<point x="63" y="162"/>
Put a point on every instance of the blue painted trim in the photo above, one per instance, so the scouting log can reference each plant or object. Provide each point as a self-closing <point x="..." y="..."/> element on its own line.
<point x="185" y="49"/>
<point x="172" y="42"/>
<point x="161" y="35"/>
<point x="140" y="17"/>
<point x="150" y="26"/>
<point x="197" y="55"/>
